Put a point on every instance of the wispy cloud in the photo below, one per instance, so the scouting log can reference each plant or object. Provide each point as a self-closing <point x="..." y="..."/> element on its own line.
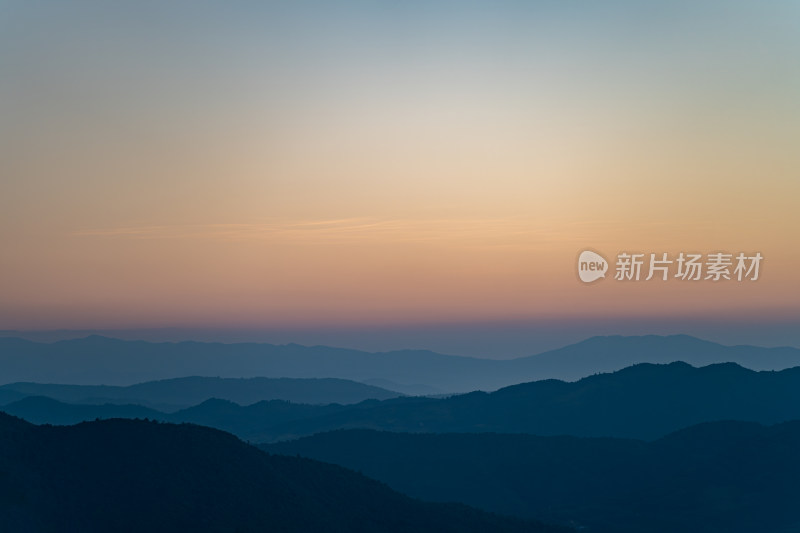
<point x="500" y="230"/>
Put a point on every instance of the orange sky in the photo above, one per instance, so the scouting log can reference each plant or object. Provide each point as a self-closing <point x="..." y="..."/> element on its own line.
<point x="336" y="167"/>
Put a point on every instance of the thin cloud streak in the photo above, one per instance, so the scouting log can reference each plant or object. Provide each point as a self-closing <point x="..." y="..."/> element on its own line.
<point x="351" y="229"/>
<point x="495" y="233"/>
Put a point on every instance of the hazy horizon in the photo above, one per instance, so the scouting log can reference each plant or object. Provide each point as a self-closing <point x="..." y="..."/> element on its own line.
<point x="490" y="341"/>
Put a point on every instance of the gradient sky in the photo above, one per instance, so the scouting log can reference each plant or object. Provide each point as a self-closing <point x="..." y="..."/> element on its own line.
<point x="268" y="165"/>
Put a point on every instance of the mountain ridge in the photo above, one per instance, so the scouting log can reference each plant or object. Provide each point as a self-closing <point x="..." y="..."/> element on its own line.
<point x="714" y="477"/>
<point x="176" y="393"/>
<point x="128" y="475"/>
<point x="98" y="359"/>
<point x="644" y="401"/>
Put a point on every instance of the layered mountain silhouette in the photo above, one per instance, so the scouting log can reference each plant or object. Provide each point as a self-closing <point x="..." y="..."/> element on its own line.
<point x="173" y="394"/>
<point x="627" y="465"/>
<point x="643" y="401"/>
<point x="96" y="359"/>
<point x="43" y="410"/>
<point x="126" y="475"/>
<point x="721" y="477"/>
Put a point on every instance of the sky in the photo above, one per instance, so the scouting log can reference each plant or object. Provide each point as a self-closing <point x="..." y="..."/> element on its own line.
<point x="396" y="174"/>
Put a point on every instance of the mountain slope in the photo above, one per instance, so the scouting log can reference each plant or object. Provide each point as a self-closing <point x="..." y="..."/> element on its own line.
<point x="173" y="394"/>
<point x="726" y="477"/>
<point x="43" y="410"/>
<point x="123" y="475"/>
<point x="610" y="353"/>
<point x="644" y="401"/>
<point x="97" y="359"/>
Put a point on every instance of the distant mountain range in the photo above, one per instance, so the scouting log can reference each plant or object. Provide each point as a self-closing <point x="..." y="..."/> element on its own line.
<point x="721" y="477"/>
<point x="124" y="475"/>
<point x="174" y="394"/>
<point x="643" y="401"/>
<point x="95" y="360"/>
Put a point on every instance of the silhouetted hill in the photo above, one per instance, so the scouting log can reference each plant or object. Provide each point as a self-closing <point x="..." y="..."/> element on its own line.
<point x="610" y="353"/>
<point x="722" y="477"/>
<point x="416" y="389"/>
<point x="173" y="394"/>
<point x="136" y="476"/>
<point x="42" y="410"/>
<point x="95" y="359"/>
<point x="249" y="421"/>
<point x="8" y="396"/>
<point x="643" y="401"/>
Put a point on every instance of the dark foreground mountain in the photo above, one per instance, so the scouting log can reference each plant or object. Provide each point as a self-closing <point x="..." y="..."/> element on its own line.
<point x="174" y="394"/>
<point x="644" y="401"/>
<point x="722" y="477"/>
<point x="95" y="359"/>
<point x="136" y="476"/>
